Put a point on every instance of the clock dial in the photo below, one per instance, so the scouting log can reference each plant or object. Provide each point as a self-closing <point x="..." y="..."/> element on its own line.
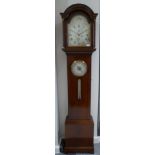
<point x="79" y="68"/>
<point x="79" y="31"/>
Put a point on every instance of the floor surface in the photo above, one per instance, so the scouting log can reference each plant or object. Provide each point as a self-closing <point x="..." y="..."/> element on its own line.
<point x="96" y="147"/>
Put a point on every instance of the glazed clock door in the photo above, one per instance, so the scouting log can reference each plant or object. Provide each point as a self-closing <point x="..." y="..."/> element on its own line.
<point x="79" y="30"/>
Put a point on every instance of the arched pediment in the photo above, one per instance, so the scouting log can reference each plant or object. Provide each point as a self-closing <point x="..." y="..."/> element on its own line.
<point x="78" y="8"/>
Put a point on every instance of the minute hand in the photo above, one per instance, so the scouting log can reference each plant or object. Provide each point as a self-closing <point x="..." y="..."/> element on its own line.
<point x="83" y="31"/>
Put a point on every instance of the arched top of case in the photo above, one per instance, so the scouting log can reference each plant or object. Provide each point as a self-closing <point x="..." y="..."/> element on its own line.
<point x="79" y="8"/>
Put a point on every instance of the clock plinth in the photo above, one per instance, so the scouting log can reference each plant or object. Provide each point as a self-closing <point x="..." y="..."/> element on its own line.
<point x="79" y="44"/>
<point x="79" y="136"/>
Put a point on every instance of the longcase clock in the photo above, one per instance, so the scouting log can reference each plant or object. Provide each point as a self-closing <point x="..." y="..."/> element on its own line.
<point x="78" y="44"/>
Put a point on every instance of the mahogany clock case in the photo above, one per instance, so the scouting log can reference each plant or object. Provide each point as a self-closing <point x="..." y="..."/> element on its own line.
<point x="79" y="125"/>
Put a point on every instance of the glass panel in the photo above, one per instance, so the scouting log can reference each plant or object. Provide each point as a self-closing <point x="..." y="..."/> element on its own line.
<point x="79" y="31"/>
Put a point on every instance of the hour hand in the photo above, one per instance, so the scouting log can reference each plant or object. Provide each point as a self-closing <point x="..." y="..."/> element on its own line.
<point x="73" y="31"/>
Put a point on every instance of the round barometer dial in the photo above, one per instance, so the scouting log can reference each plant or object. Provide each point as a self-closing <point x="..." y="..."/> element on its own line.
<point x="79" y="68"/>
<point x="79" y="31"/>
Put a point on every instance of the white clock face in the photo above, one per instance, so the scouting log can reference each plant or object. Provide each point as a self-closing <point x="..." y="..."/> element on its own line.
<point x="79" y="31"/>
<point x="79" y="68"/>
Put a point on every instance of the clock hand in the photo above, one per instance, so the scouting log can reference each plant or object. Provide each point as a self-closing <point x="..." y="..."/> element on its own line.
<point x="82" y="32"/>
